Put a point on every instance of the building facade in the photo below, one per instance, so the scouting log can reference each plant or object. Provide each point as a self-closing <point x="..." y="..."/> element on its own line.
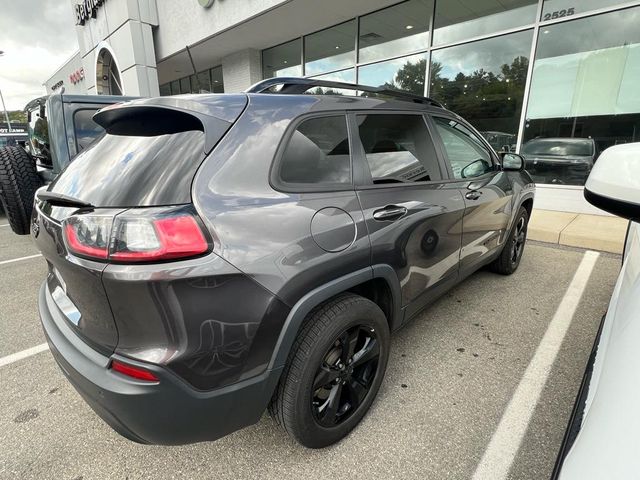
<point x="552" y="79"/>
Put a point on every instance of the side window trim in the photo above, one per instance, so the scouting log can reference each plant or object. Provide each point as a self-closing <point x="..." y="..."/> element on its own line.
<point x="362" y="178"/>
<point x="439" y="144"/>
<point x="300" y="188"/>
<point x="443" y="151"/>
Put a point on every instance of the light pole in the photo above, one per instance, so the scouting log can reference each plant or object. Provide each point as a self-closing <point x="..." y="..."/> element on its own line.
<point x="6" y="114"/>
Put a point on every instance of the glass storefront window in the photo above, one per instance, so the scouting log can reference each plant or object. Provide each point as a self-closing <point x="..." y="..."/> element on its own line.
<point x="584" y="87"/>
<point x="553" y="9"/>
<point x="406" y="73"/>
<point x="457" y="20"/>
<point x="195" y="85"/>
<point x="204" y="82"/>
<point x="394" y="31"/>
<point x="484" y="82"/>
<point x="283" y="60"/>
<point x="330" y="49"/>
<point x="217" y="83"/>
<point x="348" y="76"/>
<point x="208" y="81"/>
<point x="185" y="85"/>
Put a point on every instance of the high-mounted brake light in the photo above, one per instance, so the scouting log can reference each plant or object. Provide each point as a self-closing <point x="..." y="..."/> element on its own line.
<point x="133" y="371"/>
<point x="137" y="235"/>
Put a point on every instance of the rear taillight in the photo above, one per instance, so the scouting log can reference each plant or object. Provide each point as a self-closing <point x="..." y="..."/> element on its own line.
<point x="88" y="235"/>
<point x="136" y="235"/>
<point x="133" y="371"/>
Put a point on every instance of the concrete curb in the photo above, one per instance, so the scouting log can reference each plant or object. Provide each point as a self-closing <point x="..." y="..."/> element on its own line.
<point x="595" y="232"/>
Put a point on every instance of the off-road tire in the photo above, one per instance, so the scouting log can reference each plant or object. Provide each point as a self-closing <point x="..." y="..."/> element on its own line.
<point x="291" y="405"/>
<point x="19" y="181"/>
<point x="507" y="262"/>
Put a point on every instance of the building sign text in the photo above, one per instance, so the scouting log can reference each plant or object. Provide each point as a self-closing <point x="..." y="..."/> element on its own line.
<point x="77" y="76"/>
<point x="86" y="10"/>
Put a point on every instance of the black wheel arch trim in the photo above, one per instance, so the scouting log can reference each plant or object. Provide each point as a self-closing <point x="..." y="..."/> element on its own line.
<point x="321" y="294"/>
<point x="520" y="203"/>
<point x="527" y="196"/>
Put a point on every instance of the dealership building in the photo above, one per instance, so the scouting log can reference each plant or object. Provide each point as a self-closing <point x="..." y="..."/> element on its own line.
<point x="532" y="75"/>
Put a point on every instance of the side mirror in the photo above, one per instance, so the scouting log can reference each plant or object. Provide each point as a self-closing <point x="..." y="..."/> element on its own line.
<point x="512" y="162"/>
<point x="475" y="169"/>
<point x="614" y="182"/>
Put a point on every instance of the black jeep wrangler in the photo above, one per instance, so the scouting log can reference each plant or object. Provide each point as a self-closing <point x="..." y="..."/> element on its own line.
<point x="60" y="126"/>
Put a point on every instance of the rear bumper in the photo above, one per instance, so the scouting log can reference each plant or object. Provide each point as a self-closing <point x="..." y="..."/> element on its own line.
<point x="168" y="412"/>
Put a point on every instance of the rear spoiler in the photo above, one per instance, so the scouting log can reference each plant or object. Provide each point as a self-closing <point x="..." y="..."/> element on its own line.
<point x="211" y="114"/>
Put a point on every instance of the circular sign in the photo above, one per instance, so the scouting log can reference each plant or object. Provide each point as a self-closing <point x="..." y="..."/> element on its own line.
<point x="205" y="3"/>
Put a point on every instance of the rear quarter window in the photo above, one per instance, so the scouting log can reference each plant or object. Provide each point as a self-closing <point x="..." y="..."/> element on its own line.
<point x="129" y="171"/>
<point x="316" y="156"/>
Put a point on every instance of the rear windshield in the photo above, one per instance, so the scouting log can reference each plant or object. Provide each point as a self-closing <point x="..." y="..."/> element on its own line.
<point x="129" y="171"/>
<point x="560" y="148"/>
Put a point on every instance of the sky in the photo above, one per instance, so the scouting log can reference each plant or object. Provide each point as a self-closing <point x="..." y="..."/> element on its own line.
<point x="37" y="36"/>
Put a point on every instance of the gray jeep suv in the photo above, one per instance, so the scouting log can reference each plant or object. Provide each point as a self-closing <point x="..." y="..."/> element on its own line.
<point x="213" y="256"/>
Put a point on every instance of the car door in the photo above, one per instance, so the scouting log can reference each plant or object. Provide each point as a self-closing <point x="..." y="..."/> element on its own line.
<point x="487" y="190"/>
<point x="412" y="212"/>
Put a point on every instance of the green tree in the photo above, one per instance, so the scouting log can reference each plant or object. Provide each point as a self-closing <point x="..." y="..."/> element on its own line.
<point x="411" y="77"/>
<point x="17" y="116"/>
<point x="490" y="100"/>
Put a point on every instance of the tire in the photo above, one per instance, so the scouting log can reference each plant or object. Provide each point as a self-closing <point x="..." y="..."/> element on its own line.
<point x="19" y="181"/>
<point x="509" y="259"/>
<point x="296" y="406"/>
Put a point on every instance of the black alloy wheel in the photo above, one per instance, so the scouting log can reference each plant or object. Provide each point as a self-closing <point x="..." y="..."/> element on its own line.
<point x="346" y="375"/>
<point x="518" y="240"/>
<point x="509" y="259"/>
<point x="334" y="371"/>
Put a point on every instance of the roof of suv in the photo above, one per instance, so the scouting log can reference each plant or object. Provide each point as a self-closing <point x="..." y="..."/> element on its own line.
<point x="214" y="112"/>
<point x="210" y="104"/>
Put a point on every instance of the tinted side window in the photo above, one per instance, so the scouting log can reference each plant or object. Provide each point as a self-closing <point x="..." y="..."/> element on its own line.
<point x="318" y="153"/>
<point x="465" y="151"/>
<point x="85" y="128"/>
<point x="398" y="148"/>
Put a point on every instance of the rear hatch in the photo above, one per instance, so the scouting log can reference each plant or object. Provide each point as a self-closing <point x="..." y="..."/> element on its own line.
<point x="127" y="199"/>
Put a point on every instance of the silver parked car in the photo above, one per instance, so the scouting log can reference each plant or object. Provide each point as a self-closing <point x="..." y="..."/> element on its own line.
<point x="602" y="438"/>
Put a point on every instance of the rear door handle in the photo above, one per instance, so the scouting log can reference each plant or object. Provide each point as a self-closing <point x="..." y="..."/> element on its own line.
<point x="473" y="195"/>
<point x="390" y="213"/>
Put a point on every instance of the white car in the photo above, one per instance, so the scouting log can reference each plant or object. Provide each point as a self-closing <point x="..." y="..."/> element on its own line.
<point x="603" y="438"/>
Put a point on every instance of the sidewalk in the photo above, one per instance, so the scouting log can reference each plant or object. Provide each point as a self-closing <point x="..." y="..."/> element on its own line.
<point x="594" y="232"/>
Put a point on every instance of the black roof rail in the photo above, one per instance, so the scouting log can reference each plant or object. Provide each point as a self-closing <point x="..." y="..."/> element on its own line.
<point x="296" y="85"/>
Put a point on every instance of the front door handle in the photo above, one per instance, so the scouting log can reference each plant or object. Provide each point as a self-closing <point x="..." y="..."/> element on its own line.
<point x="390" y="213"/>
<point x="473" y="195"/>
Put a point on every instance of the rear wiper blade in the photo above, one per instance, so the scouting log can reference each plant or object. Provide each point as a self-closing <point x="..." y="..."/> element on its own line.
<point x="62" y="200"/>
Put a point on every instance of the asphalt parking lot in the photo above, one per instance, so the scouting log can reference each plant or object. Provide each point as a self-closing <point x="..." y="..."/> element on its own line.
<point x="454" y="375"/>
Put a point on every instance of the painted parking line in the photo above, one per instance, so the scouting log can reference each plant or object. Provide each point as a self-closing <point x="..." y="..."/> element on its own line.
<point x="14" y="357"/>
<point x="4" y="225"/>
<point x="4" y="262"/>
<point x="505" y="442"/>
